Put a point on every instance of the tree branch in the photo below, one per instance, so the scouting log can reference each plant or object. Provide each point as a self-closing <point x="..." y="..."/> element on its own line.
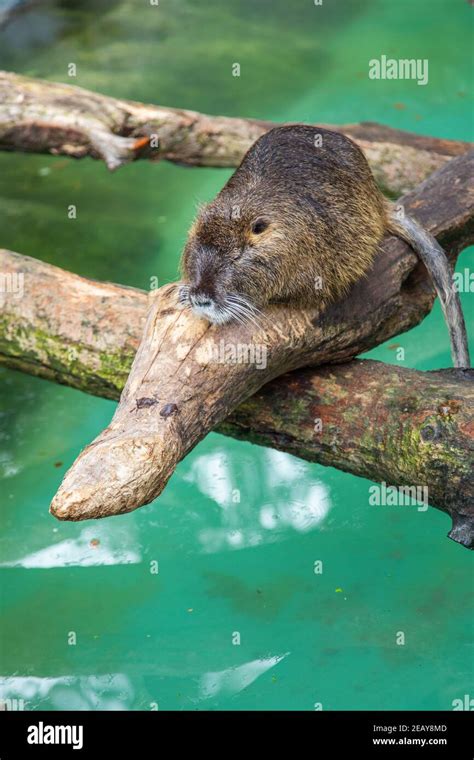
<point x="388" y="424"/>
<point x="400" y="426"/>
<point x="49" y="117"/>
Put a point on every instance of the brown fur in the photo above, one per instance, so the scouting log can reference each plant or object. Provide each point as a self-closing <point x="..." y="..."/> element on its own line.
<point x="325" y="215"/>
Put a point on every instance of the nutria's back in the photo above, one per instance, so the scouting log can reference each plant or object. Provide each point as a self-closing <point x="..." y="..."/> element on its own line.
<point x="299" y="152"/>
<point x="299" y="221"/>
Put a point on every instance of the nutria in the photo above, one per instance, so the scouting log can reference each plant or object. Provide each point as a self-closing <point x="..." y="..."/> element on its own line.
<point x="299" y="222"/>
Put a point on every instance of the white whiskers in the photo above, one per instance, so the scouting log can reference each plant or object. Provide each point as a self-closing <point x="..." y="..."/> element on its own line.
<point x="235" y="308"/>
<point x="243" y="311"/>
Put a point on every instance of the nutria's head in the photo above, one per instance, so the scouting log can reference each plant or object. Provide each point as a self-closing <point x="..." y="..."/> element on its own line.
<point x="241" y="254"/>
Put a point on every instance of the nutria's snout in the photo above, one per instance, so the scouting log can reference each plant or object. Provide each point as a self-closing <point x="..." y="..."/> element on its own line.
<point x="217" y="309"/>
<point x="202" y="303"/>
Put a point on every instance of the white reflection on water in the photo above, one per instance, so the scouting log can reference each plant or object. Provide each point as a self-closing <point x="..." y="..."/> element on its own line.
<point x="111" y="691"/>
<point x="96" y="545"/>
<point x="233" y="680"/>
<point x="8" y="467"/>
<point x="211" y="474"/>
<point x="279" y="493"/>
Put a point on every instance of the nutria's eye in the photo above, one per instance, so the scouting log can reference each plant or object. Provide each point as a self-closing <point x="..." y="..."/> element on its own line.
<point x="259" y="226"/>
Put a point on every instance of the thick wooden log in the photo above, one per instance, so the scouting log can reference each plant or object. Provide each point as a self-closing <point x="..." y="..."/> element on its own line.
<point x="50" y="117"/>
<point x="400" y="427"/>
<point x="397" y="426"/>
<point x="66" y="328"/>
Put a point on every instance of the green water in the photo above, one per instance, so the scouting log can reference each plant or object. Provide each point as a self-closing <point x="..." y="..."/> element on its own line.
<point x="225" y="568"/>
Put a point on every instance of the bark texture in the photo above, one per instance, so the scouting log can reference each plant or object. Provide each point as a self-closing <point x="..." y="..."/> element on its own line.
<point x="49" y="117"/>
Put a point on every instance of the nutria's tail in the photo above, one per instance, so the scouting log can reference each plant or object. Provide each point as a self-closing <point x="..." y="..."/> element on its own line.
<point x="439" y="269"/>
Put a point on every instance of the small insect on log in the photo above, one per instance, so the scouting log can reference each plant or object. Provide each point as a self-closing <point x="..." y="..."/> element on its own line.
<point x="142" y="403"/>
